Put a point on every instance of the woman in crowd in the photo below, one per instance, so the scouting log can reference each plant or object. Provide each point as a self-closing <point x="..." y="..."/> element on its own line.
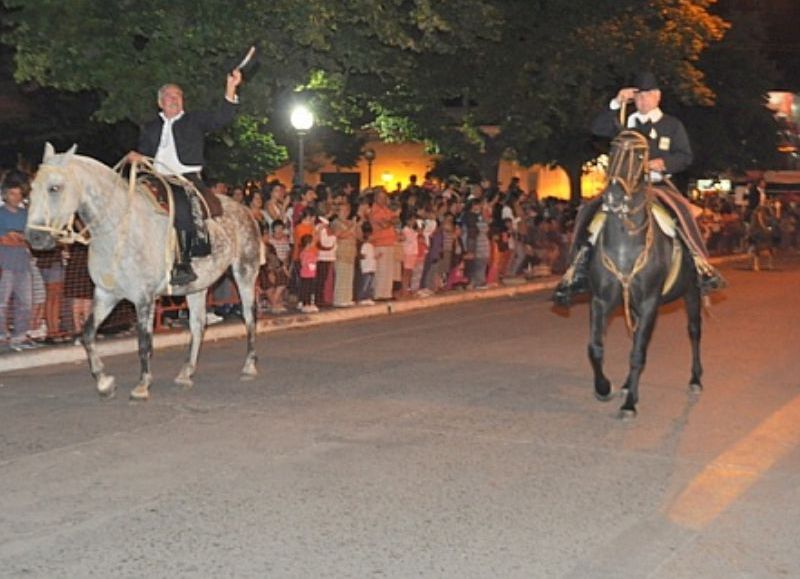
<point x="383" y="221"/>
<point x="256" y="205"/>
<point x="344" y="228"/>
<point x="326" y="255"/>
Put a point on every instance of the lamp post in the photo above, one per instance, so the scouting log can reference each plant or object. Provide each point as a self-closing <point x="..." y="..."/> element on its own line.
<point x="302" y="120"/>
<point x="369" y="155"/>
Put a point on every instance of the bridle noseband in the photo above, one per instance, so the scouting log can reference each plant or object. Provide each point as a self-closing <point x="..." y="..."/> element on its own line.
<point x="627" y="169"/>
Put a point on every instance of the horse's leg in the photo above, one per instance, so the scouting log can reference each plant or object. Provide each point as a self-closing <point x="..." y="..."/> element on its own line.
<point x="645" y="322"/>
<point x="197" y="324"/>
<point x="693" y="303"/>
<point x="102" y="304"/>
<point x="246" y="281"/>
<point x="144" y="326"/>
<point x="598" y="319"/>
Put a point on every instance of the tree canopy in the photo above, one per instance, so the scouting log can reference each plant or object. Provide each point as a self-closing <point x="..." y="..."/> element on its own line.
<point x="479" y="79"/>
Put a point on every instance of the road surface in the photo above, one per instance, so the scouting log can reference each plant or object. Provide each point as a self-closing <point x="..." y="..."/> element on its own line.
<point x="459" y="442"/>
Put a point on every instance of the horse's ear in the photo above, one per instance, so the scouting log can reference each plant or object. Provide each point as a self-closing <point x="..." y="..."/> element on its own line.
<point x="68" y="155"/>
<point x="49" y="151"/>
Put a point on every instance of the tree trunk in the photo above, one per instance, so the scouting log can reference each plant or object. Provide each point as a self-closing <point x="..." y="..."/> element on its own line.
<point x="489" y="161"/>
<point x="574" y="171"/>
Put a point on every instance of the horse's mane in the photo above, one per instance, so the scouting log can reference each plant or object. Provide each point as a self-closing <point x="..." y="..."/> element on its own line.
<point x="116" y="178"/>
<point x="108" y="171"/>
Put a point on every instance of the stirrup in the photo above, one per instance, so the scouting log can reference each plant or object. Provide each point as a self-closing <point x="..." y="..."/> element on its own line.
<point x="562" y="295"/>
<point x="711" y="281"/>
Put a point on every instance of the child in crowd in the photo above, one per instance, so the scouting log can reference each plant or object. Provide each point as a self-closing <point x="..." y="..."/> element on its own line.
<point x="273" y="277"/>
<point x="277" y="266"/>
<point x="410" y="250"/>
<point x="419" y="264"/>
<point x="303" y="227"/>
<point x="308" y="273"/>
<point x="456" y="276"/>
<point x="366" y="292"/>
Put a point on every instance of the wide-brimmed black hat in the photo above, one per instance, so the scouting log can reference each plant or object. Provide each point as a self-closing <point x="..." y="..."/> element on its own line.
<point x="645" y="81"/>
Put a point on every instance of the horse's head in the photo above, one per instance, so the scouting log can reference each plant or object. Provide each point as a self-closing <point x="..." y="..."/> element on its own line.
<point x="628" y="159"/>
<point x="55" y="196"/>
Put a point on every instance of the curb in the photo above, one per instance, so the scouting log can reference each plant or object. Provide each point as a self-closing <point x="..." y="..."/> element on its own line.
<point x="48" y="356"/>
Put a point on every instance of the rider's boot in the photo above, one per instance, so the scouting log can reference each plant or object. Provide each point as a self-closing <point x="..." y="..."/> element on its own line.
<point x="182" y="272"/>
<point x="575" y="280"/>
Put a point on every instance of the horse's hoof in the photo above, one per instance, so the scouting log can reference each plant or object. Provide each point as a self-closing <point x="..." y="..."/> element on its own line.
<point x="695" y="388"/>
<point x="184" y="382"/>
<point x="249" y="372"/>
<point x="626" y="414"/>
<point x="106" y="387"/>
<point x="140" y="394"/>
<point x="110" y="395"/>
<point x="604" y="398"/>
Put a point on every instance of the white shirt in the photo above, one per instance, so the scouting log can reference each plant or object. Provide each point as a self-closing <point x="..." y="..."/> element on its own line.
<point x="166" y="159"/>
<point x="327" y="242"/>
<point x="368" y="263"/>
<point x="653" y="116"/>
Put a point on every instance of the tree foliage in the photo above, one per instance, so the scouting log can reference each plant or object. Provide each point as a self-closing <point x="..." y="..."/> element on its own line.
<point x="739" y="132"/>
<point x="481" y="79"/>
<point x="245" y="150"/>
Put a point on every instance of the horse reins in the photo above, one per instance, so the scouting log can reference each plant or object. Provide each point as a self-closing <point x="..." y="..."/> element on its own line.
<point x="628" y="169"/>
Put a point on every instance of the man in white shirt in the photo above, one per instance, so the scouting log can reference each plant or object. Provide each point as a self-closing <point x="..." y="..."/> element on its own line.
<point x="175" y="140"/>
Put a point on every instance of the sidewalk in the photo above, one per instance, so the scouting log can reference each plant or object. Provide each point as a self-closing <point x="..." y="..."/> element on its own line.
<point x="65" y="354"/>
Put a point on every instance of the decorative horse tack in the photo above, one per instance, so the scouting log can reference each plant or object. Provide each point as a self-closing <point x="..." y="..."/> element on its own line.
<point x="636" y="266"/>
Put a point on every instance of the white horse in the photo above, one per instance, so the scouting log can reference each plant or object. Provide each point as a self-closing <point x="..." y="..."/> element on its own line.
<point x="129" y="256"/>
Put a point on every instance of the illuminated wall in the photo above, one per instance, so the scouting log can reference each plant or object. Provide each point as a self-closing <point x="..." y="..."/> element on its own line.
<point x="395" y="162"/>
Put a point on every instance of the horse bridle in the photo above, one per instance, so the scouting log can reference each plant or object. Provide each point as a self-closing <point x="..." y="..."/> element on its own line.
<point x="66" y="233"/>
<point x="628" y="169"/>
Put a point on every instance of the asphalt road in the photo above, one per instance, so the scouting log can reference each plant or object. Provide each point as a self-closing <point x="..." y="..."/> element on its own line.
<point x="456" y="442"/>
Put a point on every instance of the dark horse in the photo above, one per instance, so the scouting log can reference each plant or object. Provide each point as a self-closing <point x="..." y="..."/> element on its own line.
<point x="637" y="265"/>
<point x="129" y="256"/>
<point x="763" y="235"/>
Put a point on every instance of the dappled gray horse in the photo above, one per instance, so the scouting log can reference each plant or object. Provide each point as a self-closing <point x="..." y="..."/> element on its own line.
<point x="639" y="265"/>
<point x="130" y="256"/>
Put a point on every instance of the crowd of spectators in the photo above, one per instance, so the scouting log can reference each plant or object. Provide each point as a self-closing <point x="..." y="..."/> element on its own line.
<point x="724" y="223"/>
<point x="337" y="247"/>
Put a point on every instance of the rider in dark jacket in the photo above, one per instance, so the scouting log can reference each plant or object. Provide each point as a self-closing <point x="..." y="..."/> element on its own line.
<point x="175" y="140"/>
<point x="669" y="153"/>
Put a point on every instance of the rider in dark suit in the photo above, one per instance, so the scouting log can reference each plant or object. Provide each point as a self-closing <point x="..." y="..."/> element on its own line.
<point x="669" y="153"/>
<point x="175" y="140"/>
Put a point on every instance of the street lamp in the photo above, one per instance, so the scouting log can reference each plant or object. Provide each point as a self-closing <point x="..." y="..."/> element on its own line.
<point x="369" y="155"/>
<point x="302" y="120"/>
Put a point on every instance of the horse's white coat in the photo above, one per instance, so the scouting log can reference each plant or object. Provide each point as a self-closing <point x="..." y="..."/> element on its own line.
<point x="127" y="255"/>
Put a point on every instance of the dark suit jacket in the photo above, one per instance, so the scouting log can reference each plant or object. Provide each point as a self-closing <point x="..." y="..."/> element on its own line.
<point x="189" y="132"/>
<point x="668" y="139"/>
